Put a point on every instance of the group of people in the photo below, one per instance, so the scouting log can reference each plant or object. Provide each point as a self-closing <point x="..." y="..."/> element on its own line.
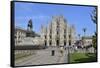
<point x="72" y="47"/>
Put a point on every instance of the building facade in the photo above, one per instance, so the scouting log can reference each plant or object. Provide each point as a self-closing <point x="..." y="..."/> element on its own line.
<point x="87" y="40"/>
<point x="25" y="37"/>
<point x="58" y="32"/>
<point x="20" y="34"/>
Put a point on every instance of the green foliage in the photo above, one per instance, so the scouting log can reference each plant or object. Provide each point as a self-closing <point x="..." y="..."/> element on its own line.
<point x="94" y="15"/>
<point x="82" y="57"/>
<point x="94" y="41"/>
<point x="94" y="19"/>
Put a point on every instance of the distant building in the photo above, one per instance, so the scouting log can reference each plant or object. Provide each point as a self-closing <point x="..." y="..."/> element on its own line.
<point x="20" y="34"/>
<point x="25" y="37"/>
<point x="58" y="32"/>
<point x="87" y="40"/>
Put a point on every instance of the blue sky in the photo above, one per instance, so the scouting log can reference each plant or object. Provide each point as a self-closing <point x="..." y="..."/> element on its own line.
<point x="41" y="14"/>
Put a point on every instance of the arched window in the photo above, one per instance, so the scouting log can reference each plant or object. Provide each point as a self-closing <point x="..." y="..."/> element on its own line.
<point x="50" y="42"/>
<point x="45" y="43"/>
<point x="64" y="43"/>
<point x="57" y="42"/>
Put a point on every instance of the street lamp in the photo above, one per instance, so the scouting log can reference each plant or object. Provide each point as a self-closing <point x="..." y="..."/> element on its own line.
<point x="79" y="36"/>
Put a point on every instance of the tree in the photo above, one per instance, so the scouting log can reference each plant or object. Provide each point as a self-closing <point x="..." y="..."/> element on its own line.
<point x="94" y="40"/>
<point x="94" y="19"/>
<point x="94" y="16"/>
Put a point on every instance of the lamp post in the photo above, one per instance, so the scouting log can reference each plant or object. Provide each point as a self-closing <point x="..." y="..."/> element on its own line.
<point x="84" y="30"/>
<point x="79" y="36"/>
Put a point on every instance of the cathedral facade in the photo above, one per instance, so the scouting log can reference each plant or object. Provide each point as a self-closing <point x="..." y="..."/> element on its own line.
<point x="58" y="32"/>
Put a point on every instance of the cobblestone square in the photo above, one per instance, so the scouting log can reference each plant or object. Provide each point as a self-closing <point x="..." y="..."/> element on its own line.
<point x="44" y="57"/>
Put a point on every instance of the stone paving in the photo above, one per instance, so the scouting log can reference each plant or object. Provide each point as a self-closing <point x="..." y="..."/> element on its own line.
<point x="43" y="57"/>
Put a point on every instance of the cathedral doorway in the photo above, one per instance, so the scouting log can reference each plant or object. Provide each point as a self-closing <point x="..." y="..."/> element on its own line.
<point x="50" y="43"/>
<point x="57" y="42"/>
<point x="64" y="43"/>
<point x="45" y="43"/>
